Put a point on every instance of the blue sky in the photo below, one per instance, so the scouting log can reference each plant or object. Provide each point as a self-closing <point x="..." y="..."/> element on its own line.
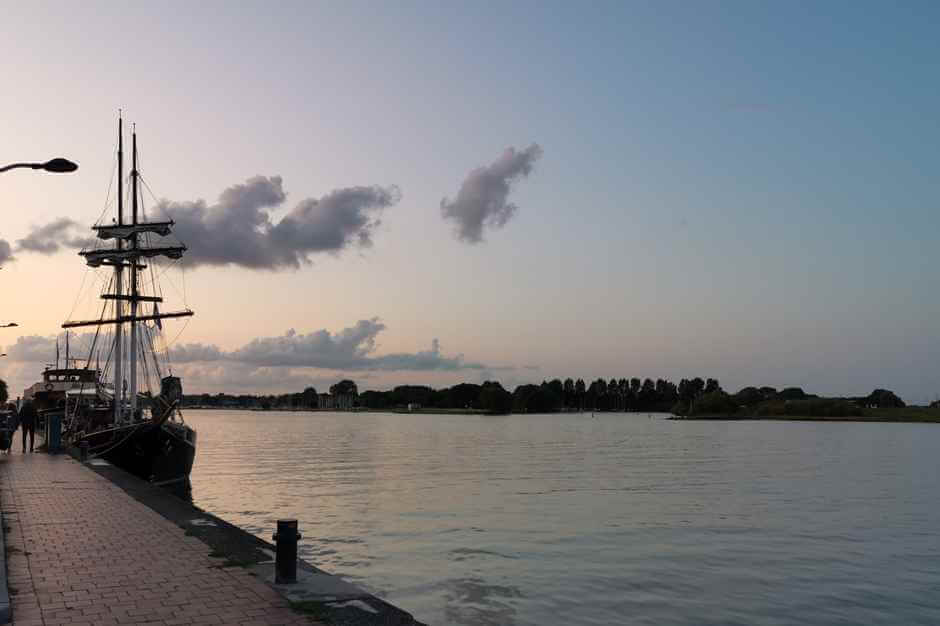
<point x="741" y="190"/>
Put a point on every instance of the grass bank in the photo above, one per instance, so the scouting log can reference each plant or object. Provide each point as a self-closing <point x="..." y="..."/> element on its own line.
<point x="905" y="414"/>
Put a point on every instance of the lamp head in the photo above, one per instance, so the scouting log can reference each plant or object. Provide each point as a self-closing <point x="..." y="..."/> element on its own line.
<point x="60" y="166"/>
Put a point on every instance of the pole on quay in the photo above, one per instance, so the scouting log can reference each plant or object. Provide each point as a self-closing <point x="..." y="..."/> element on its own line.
<point x="285" y="562"/>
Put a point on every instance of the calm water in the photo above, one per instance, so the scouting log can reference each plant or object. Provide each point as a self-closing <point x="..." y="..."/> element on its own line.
<point x="622" y="519"/>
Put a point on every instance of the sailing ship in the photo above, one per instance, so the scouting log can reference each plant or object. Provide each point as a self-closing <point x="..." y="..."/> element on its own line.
<point x="124" y="421"/>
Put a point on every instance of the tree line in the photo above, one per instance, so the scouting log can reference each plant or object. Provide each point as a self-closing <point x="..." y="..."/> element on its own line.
<point x="695" y="396"/>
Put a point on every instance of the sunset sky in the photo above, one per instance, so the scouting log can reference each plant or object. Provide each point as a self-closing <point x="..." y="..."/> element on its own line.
<point x="520" y="191"/>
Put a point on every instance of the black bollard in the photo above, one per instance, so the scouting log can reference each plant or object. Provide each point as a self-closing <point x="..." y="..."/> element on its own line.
<point x="83" y="451"/>
<point x="285" y="562"/>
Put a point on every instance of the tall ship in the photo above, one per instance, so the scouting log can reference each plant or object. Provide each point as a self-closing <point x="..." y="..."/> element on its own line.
<point x="127" y="410"/>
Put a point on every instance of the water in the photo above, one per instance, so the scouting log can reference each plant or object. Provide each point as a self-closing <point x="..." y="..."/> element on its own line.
<point x="619" y="519"/>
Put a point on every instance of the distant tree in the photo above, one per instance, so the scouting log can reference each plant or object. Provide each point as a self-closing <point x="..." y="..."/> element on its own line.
<point x="309" y="397"/>
<point x="711" y="385"/>
<point x="715" y="403"/>
<point x="494" y="399"/>
<point x="883" y="399"/>
<point x="520" y="397"/>
<point x="404" y="395"/>
<point x="623" y="392"/>
<point x="666" y="394"/>
<point x="769" y="393"/>
<point x="543" y="400"/>
<point x="791" y="393"/>
<point x="4" y="392"/>
<point x="557" y="388"/>
<point x="635" y="386"/>
<point x="935" y="404"/>
<point x="462" y="396"/>
<point x="597" y="393"/>
<point x="569" y="393"/>
<point x="647" y="395"/>
<point x="749" y="396"/>
<point x="580" y="393"/>
<point x="344" y="387"/>
<point x="375" y="399"/>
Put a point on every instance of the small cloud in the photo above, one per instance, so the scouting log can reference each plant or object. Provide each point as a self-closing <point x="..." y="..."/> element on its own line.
<point x="483" y="199"/>
<point x="50" y="238"/>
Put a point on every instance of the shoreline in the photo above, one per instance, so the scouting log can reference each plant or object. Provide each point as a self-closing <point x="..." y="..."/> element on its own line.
<point x="927" y="419"/>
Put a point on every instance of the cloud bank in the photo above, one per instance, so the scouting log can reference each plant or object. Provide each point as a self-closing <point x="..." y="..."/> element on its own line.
<point x="483" y="199"/>
<point x="350" y="349"/>
<point x="238" y="228"/>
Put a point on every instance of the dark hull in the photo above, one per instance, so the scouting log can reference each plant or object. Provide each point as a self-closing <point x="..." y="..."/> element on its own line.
<point x="161" y="454"/>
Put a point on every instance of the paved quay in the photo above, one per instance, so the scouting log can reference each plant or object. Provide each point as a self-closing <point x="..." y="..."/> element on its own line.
<point x="81" y="551"/>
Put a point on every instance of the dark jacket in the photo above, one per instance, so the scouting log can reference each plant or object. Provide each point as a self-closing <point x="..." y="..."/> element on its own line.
<point x="28" y="415"/>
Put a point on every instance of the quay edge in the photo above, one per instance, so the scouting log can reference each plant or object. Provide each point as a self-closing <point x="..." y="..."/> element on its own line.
<point x="324" y="596"/>
<point x="4" y="584"/>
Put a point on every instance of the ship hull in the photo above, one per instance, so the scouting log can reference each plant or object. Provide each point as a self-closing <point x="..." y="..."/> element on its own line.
<point x="159" y="453"/>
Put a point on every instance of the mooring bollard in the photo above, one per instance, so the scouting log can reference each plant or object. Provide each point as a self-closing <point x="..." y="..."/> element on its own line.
<point x="285" y="562"/>
<point x="83" y="451"/>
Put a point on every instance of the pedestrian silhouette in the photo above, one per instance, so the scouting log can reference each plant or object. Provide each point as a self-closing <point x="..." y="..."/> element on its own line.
<point x="28" y="417"/>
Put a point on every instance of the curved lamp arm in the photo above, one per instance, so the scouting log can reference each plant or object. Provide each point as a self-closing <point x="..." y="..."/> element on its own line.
<point x="58" y="165"/>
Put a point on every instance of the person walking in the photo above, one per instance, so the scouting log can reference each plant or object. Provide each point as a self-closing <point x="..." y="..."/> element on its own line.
<point x="7" y="428"/>
<point x="28" y="417"/>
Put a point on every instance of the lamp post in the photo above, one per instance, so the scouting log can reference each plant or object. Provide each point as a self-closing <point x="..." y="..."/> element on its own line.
<point x="57" y="165"/>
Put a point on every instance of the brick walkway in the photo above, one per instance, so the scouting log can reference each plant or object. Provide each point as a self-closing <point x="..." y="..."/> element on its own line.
<point x="81" y="551"/>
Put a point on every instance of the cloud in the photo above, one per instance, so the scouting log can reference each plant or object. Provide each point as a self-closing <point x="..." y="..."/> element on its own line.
<point x="288" y="362"/>
<point x="42" y="348"/>
<point x="50" y="238"/>
<point x="6" y="254"/>
<point x="483" y="197"/>
<point x="187" y="353"/>
<point x="238" y="230"/>
<point x="350" y="349"/>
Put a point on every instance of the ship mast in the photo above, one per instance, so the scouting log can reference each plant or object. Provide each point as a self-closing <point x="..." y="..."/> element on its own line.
<point x="120" y="257"/>
<point x="133" y="359"/>
<point x="118" y="275"/>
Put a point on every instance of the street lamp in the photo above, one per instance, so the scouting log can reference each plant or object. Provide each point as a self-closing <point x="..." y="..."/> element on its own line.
<point x="57" y="165"/>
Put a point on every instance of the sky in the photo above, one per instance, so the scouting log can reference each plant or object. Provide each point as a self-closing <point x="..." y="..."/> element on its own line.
<point x="432" y="193"/>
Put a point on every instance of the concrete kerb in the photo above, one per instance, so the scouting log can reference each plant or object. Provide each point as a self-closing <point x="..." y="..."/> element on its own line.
<point x="318" y="593"/>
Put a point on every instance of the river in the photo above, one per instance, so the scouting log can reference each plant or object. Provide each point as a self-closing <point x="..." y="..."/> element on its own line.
<point x="612" y="519"/>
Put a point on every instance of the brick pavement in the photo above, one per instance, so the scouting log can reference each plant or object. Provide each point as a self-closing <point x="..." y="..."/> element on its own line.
<point x="80" y="551"/>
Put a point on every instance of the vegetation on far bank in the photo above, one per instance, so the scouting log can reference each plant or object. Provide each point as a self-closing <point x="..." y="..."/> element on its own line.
<point x="691" y="398"/>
